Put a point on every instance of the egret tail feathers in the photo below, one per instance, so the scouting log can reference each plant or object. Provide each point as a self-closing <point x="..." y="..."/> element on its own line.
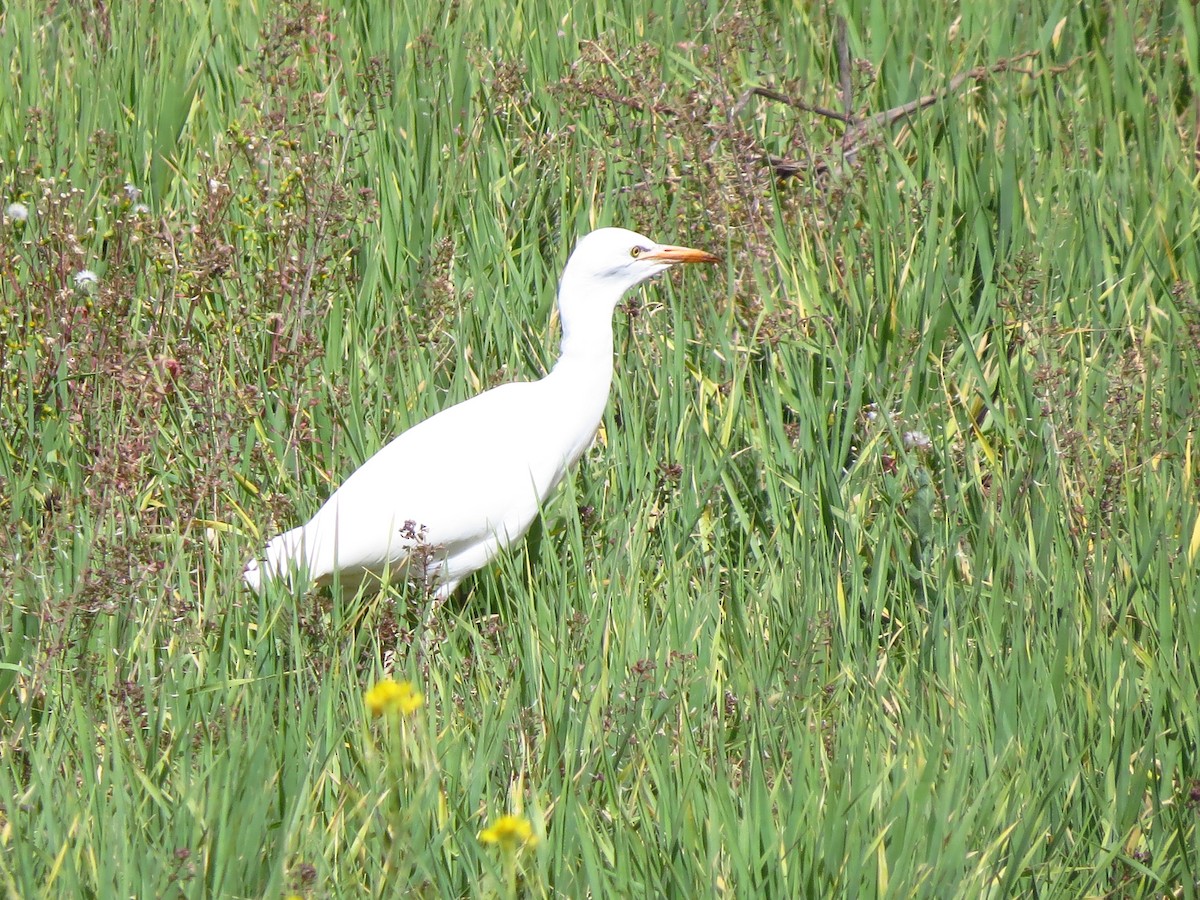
<point x="286" y="557"/>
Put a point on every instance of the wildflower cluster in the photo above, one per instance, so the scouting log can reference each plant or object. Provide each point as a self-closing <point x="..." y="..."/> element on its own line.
<point x="510" y="833"/>
<point x="392" y="698"/>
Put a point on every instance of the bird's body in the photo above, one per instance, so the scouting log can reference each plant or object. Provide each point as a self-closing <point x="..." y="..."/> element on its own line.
<point x="478" y="493"/>
<point x="454" y="490"/>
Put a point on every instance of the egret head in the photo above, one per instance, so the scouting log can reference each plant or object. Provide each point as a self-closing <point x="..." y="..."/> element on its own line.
<point x="613" y="260"/>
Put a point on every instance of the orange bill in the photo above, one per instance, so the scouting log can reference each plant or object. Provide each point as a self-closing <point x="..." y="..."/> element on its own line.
<point x="672" y="254"/>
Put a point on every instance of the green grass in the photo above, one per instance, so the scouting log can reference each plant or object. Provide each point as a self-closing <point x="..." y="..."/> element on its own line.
<point x="769" y="640"/>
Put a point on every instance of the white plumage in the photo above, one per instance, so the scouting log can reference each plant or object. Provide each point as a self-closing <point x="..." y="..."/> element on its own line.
<point x="456" y="489"/>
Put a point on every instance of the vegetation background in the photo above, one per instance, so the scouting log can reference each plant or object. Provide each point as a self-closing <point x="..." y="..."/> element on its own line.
<point x="881" y="578"/>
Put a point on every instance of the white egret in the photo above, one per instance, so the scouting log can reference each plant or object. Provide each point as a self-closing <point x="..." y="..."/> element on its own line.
<point x="454" y="490"/>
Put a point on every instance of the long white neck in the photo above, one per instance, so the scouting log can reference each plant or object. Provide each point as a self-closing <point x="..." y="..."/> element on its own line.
<point x="585" y="313"/>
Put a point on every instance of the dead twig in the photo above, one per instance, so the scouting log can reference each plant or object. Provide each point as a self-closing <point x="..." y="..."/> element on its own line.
<point x="771" y="94"/>
<point x="859" y="131"/>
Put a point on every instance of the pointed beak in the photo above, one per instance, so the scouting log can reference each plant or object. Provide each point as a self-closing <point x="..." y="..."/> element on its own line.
<point x="670" y="254"/>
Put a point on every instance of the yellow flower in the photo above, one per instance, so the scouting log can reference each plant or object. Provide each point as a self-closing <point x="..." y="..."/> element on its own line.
<point x="390" y="697"/>
<point x="510" y="832"/>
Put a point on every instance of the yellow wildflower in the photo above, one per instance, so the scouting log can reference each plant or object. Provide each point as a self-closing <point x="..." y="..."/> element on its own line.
<point x="391" y="697"/>
<point x="509" y="832"/>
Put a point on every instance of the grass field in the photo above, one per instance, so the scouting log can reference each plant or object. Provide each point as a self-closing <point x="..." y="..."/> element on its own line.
<point x="882" y="578"/>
